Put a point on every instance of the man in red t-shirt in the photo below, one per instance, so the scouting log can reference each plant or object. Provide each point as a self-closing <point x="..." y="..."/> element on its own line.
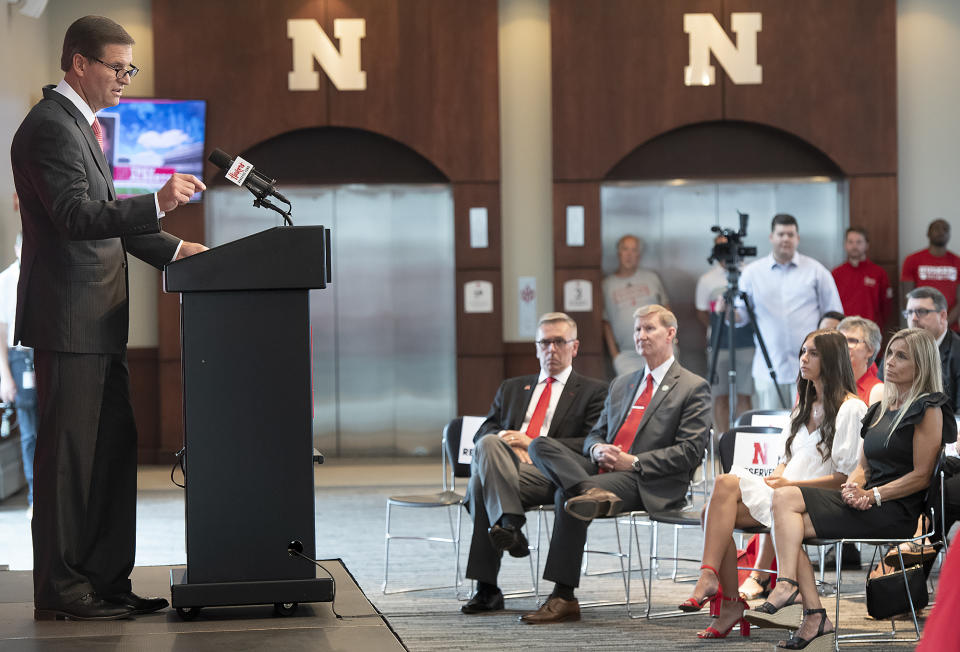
<point x="937" y="268"/>
<point x="863" y="285"/>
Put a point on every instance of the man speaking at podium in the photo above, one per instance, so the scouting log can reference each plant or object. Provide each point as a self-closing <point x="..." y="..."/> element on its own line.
<point x="72" y="309"/>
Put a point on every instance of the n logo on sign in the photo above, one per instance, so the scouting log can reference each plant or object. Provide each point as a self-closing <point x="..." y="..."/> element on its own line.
<point x="310" y="43"/>
<point x="759" y="453"/>
<point x="706" y="36"/>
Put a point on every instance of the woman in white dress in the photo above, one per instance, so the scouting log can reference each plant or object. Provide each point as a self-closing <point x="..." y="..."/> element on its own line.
<point x="821" y="449"/>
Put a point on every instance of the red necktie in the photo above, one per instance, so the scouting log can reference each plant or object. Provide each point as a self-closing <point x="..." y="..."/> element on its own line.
<point x="536" y="421"/>
<point x="98" y="132"/>
<point x="628" y="431"/>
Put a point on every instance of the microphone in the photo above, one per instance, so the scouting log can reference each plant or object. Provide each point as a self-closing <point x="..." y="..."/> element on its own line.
<point x="243" y="173"/>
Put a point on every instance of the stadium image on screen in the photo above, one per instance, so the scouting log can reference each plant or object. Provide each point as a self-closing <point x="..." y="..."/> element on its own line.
<point x="145" y="141"/>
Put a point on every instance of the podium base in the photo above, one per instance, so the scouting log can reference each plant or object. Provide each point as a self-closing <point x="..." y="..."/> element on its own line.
<point x="186" y="596"/>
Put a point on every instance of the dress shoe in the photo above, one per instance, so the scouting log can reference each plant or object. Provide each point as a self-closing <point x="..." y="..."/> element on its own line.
<point x="510" y="539"/>
<point x="554" y="610"/>
<point x="483" y="602"/>
<point x="136" y="604"/>
<point x="86" y="607"/>
<point x="592" y="503"/>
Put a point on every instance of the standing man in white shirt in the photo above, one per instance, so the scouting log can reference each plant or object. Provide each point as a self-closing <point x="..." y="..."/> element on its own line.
<point x="789" y="293"/>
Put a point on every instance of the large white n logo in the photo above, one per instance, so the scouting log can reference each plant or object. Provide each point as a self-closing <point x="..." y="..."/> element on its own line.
<point x="311" y="43"/>
<point x="706" y="36"/>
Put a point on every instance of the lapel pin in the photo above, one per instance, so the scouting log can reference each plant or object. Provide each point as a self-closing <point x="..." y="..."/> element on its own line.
<point x="664" y="388"/>
<point x="525" y="387"/>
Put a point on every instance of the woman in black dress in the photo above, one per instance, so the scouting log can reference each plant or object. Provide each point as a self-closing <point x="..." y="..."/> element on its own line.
<point x="903" y="435"/>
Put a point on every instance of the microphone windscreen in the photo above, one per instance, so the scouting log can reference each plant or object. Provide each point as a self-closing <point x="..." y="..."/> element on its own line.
<point x="221" y="159"/>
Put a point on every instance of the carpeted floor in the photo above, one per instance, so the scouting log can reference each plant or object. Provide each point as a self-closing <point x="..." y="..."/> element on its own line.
<point x="350" y="511"/>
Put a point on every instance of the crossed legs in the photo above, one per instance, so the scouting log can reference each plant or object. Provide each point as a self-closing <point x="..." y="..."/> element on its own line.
<point x="791" y="525"/>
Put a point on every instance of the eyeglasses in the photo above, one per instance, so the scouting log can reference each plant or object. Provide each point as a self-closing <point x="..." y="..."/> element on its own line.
<point x="557" y="342"/>
<point x="919" y="312"/>
<point x="119" y="70"/>
<point x="852" y="342"/>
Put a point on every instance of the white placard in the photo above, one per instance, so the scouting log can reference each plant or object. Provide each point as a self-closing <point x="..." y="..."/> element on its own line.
<point x="478" y="296"/>
<point x="527" y="306"/>
<point x="467" y="432"/>
<point x="773" y="420"/>
<point x="758" y="453"/>
<point x="478" y="228"/>
<point x="575" y="228"/>
<point x="578" y="295"/>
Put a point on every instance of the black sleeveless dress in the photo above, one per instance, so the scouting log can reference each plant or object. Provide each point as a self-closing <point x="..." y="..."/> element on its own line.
<point x="887" y="459"/>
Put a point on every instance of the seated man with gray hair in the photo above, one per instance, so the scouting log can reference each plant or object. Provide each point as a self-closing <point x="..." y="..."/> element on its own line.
<point x="641" y="454"/>
<point x="863" y="338"/>
<point x="557" y="404"/>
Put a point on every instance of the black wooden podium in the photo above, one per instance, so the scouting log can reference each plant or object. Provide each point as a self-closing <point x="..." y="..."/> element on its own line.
<point x="247" y="410"/>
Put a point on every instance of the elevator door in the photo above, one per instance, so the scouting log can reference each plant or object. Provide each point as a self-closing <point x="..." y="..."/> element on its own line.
<point x="383" y="338"/>
<point x="674" y="220"/>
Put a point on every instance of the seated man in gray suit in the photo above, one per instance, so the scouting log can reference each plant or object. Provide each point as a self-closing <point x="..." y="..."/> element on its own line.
<point x="641" y="454"/>
<point x="560" y="405"/>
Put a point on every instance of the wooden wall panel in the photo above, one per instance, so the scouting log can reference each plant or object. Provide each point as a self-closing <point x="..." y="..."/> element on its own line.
<point x="829" y="76"/>
<point x="431" y="69"/>
<point x="589" y="324"/>
<point x="520" y="359"/>
<point x="144" y="394"/>
<point x="478" y="378"/>
<point x="618" y="80"/>
<point x="576" y="194"/>
<point x="873" y="205"/>
<point x="477" y="195"/>
<point x="480" y="333"/>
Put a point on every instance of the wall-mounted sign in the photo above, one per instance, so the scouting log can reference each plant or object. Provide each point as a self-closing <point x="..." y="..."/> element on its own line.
<point x="575" y="226"/>
<point x="578" y="295"/>
<point x="478" y="296"/>
<point x="478" y="228"/>
<point x="527" y="306"/>
<point x="311" y="43"/>
<point x="705" y="35"/>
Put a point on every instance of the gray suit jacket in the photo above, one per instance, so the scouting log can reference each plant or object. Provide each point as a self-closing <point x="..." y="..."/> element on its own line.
<point x="72" y="295"/>
<point x="671" y="437"/>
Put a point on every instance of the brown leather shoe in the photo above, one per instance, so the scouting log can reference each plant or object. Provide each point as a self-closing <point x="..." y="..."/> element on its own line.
<point x="592" y="503"/>
<point x="554" y="610"/>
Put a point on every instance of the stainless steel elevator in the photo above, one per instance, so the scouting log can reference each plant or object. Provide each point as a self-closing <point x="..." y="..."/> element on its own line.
<point x="674" y="219"/>
<point x="383" y="333"/>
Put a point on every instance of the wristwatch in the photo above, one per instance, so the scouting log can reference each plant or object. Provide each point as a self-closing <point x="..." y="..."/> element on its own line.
<point x="636" y="466"/>
<point x="876" y="496"/>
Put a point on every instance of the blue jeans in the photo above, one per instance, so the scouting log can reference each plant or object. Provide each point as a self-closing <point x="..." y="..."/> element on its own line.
<point x="21" y="360"/>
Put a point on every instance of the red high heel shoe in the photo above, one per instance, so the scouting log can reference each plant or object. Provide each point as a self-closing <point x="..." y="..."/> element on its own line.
<point x="713" y="632"/>
<point x="691" y="604"/>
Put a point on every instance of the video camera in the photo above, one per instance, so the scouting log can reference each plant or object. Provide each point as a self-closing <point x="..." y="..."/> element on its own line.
<point x="731" y="252"/>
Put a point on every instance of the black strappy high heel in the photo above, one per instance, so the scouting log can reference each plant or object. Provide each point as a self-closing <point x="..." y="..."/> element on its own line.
<point x="785" y="616"/>
<point x="797" y="642"/>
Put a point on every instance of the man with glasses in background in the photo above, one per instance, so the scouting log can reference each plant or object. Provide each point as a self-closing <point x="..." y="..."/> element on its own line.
<point x="927" y="309"/>
<point x="72" y="309"/>
<point x="558" y="403"/>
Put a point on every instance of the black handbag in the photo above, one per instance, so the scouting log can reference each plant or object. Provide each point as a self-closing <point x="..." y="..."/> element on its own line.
<point x="886" y="597"/>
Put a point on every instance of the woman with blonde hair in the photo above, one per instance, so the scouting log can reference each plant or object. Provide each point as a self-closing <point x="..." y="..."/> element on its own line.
<point x="821" y="449"/>
<point x="902" y="438"/>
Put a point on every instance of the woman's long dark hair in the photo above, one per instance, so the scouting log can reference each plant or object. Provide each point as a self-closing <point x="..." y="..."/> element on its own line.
<point x="836" y="375"/>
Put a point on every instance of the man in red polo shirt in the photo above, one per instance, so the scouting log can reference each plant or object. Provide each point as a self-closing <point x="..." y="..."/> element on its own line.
<point x="863" y="285"/>
<point x="937" y="268"/>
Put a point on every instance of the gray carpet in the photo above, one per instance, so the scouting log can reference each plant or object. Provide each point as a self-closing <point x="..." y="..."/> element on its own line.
<point x="350" y="526"/>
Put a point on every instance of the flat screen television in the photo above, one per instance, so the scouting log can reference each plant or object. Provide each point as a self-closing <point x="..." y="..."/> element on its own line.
<point x="147" y="140"/>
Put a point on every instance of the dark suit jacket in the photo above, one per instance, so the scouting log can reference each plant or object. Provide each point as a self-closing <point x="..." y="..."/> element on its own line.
<point x="578" y="407"/>
<point x="73" y="281"/>
<point x="950" y="360"/>
<point x="671" y="437"/>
